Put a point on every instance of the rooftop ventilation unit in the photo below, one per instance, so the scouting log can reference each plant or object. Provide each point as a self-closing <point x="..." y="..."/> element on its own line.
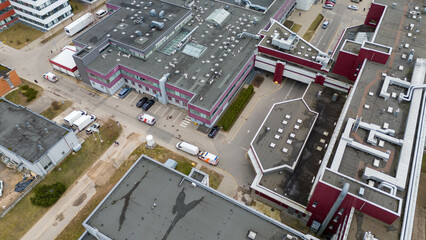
<point x="251" y="235"/>
<point x="158" y="25"/>
<point x="161" y="14"/>
<point x="139" y="33"/>
<point x="153" y="13"/>
<point x="149" y="4"/>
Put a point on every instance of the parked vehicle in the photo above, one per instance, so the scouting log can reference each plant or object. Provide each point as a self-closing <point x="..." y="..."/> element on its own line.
<point x="328" y="6"/>
<point x="79" y="24"/>
<point x="325" y="24"/>
<point x="213" y="132"/>
<point x="188" y="148"/>
<point x="141" y="102"/>
<point x="92" y="128"/>
<point x="353" y="7"/>
<point x="1" y="188"/>
<point x="146" y="106"/>
<point x="73" y="116"/>
<point x="356" y="1"/>
<point x="50" y="76"/>
<point x="148" y="119"/>
<point x="84" y="121"/>
<point x="124" y="92"/>
<point x="100" y="13"/>
<point x="330" y="3"/>
<point x="208" y="158"/>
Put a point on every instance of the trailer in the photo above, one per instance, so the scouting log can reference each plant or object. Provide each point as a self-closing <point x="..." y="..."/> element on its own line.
<point x="79" y="24"/>
<point x="84" y="121"/>
<point x="73" y="116"/>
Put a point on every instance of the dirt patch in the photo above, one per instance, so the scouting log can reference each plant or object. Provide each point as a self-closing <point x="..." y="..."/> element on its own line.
<point x="10" y="177"/>
<point x="257" y="81"/>
<point x="60" y="217"/>
<point x="101" y="172"/>
<point x="80" y="200"/>
<point x="133" y="136"/>
<point x="267" y="210"/>
<point x="215" y="178"/>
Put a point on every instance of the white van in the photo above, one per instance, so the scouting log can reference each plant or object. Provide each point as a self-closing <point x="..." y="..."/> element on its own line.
<point x="50" y="76"/>
<point x="188" y="148"/>
<point x="100" y="13"/>
<point x="208" y="158"/>
<point x="146" y="118"/>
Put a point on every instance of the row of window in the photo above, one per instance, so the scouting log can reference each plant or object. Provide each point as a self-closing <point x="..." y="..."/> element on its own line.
<point x="200" y="114"/>
<point x="8" y="19"/>
<point x="179" y="94"/>
<point x="60" y="7"/>
<point x="6" y="9"/>
<point x="50" y="24"/>
<point x="140" y="78"/>
<point x="40" y="7"/>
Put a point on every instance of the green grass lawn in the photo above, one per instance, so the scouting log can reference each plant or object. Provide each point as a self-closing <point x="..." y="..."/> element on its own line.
<point x="296" y="27"/>
<point x="215" y="178"/>
<point x="55" y="109"/>
<point x="17" y="97"/>
<point x="19" y="35"/>
<point x="22" y="217"/>
<point x="77" y="7"/>
<point x="313" y="27"/>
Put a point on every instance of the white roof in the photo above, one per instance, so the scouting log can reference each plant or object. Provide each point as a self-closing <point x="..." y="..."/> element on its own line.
<point x="64" y="58"/>
<point x="218" y="16"/>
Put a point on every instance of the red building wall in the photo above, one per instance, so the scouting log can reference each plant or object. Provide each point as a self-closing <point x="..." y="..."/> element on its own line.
<point x="7" y="14"/>
<point x="374" y="14"/>
<point x="344" y="64"/>
<point x="325" y="196"/>
<point x="289" y="58"/>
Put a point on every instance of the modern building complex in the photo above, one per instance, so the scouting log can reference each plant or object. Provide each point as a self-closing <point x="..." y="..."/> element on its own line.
<point x="30" y="141"/>
<point x="43" y="14"/>
<point x="192" y="54"/>
<point x="7" y="14"/>
<point x="9" y="79"/>
<point x="158" y="202"/>
<point x="369" y="163"/>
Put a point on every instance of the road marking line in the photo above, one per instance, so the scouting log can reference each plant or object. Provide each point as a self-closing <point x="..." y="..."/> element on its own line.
<point x="157" y="110"/>
<point x="167" y="108"/>
<point x="245" y="149"/>
<point x="177" y="117"/>
<point x="332" y="39"/>
<point x="115" y="96"/>
<point x="172" y="112"/>
<point x="134" y="98"/>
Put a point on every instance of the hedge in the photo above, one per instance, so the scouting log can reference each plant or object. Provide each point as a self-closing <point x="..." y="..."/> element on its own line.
<point x="234" y="110"/>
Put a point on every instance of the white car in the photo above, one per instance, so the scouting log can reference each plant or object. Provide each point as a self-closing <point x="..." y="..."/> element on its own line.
<point x="353" y="7"/>
<point x="92" y="128"/>
<point x="1" y="188"/>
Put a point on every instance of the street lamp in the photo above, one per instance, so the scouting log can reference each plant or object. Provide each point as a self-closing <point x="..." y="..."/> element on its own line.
<point x="97" y="131"/>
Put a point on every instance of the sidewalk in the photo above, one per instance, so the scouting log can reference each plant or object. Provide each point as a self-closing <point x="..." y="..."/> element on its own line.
<point x="306" y="17"/>
<point x="60" y="215"/>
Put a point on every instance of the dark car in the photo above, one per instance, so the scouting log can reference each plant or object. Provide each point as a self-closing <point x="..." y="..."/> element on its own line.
<point x="148" y="104"/>
<point x="213" y="132"/>
<point x="141" y="102"/>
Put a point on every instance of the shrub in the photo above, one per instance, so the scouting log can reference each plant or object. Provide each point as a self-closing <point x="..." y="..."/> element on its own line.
<point x="24" y="87"/>
<point x="56" y="105"/>
<point x="230" y="116"/>
<point x="47" y="195"/>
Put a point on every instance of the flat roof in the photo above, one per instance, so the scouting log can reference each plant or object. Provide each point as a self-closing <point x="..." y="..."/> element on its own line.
<point x="282" y="135"/>
<point x="388" y="116"/>
<point x="297" y="185"/>
<point x="207" y="76"/>
<point x="65" y="58"/>
<point x="156" y="202"/>
<point x="121" y="26"/>
<point x="35" y="134"/>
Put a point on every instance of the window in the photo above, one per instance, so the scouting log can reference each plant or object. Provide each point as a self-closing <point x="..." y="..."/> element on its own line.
<point x="170" y="98"/>
<point x="330" y="227"/>
<point x="314" y="205"/>
<point x="341" y="211"/>
<point x="336" y="219"/>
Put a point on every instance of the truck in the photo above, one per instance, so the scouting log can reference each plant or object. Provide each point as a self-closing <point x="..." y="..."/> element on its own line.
<point x="188" y="148"/>
<point x="84" y="121"/>
<point x="73" y="116"/>
<point x="208" y="158"/>
<point x="79" y="24"/>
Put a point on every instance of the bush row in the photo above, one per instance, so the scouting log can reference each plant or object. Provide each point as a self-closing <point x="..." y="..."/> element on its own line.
<point x="234" y="110"/>
<point x="30" y="93"/>
<point x="47" y="195"/>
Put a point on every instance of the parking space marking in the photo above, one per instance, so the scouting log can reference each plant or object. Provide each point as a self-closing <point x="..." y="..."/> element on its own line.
<point x="157" y="109"/>
<point x="177" y="117"/>
<point x="115" y="96"/>
<point x="169" y="115"/>
<point x="167" y="108"/>
<point x="134" y="98"/>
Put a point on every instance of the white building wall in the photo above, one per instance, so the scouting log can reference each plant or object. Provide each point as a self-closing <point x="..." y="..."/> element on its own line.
<point x="59" y="151"/>
<point x="304" y="4"/>
<point x="19" y="160"/>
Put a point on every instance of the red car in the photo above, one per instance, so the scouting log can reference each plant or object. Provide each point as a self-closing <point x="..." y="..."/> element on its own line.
<point x="330" y="3"/>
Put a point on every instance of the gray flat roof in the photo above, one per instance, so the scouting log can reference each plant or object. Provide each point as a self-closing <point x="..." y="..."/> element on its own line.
<point x="286" y="127"/>
<point x="160" y="203"/>
<point x="373" y="109"/>
<point x="35" y="135"/>
<point x="121" y="27"/>
<point x="225" y="53"/>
